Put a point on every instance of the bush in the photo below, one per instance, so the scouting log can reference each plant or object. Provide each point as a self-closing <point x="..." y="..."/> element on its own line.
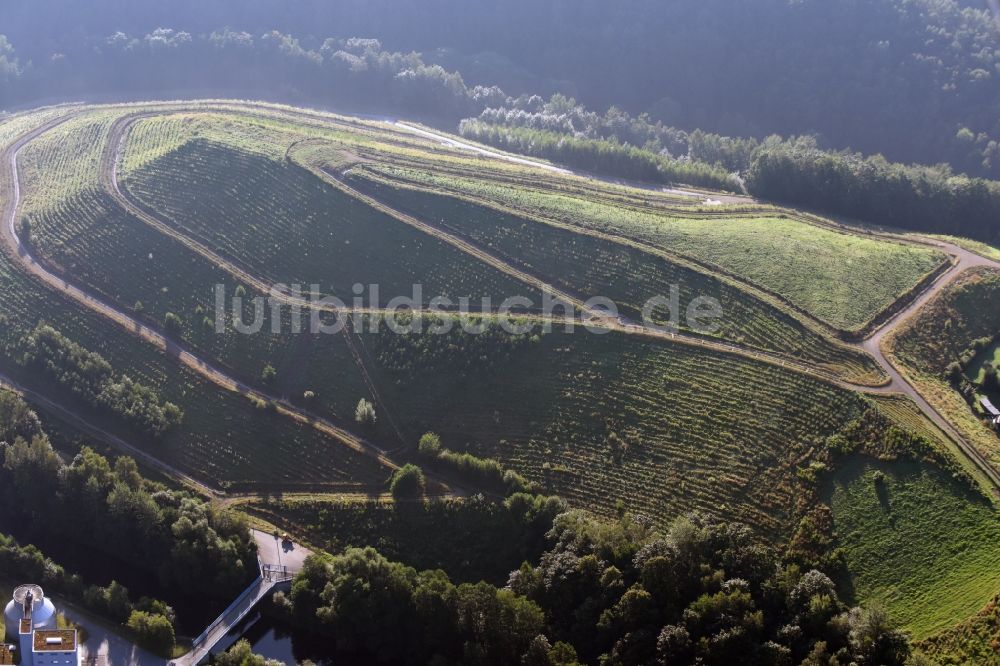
<point x="172" y="322"/>
<point x="430" y="445"/>
<point x="954" y="372"/>
<point x="269" y="374"/>
<point x="991" y="380"/>
<point x="408" y="483"/>
<point x="153" y="632"/>
<point x="364" y="413"/>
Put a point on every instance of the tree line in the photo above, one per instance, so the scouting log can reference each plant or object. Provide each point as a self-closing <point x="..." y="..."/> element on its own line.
<point x="922" y="198"/>
<point x="609" y="593"/>
<point x="92" y="379"/>
<point x="903" y="68"/>
<point x="190" y="548"/>
<point x="795" y="171"/>
<point x="599" y="156"/>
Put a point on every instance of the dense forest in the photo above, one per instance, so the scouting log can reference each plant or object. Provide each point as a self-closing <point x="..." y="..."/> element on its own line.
<point x="616" y="593"/>
<point x="915" y="80"/>
<point x="191" y="549"/>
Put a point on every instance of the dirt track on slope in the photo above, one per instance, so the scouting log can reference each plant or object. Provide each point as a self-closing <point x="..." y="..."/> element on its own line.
<point x="23" y="255"/>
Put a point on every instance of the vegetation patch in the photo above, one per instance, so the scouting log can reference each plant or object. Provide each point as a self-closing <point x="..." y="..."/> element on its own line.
<point x="91" y="378"/>
<point x="611" y="421"/>
<point x="917" y="540"/>
<point x="938" y="342"/>
<point x="841" y="278"/>
<point x="291" y="228"/>
<point x="587" y="266"/>
<point x="474" y="538"/>
<point x="973" y="641"/>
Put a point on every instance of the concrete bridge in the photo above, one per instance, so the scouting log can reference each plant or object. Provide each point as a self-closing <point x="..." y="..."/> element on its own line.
<point x="279" y="563"/>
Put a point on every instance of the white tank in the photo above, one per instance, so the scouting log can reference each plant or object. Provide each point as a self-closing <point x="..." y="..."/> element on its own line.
<point x="43" y="613"/>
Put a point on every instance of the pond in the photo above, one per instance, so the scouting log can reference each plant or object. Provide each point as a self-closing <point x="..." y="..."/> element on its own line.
<point x="273" y="640"/>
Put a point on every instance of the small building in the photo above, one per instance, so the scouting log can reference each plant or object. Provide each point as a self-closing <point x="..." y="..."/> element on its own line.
<point x="33" y="634"/>
<point x="990" y="408"/>
<point x="55" y="647"/>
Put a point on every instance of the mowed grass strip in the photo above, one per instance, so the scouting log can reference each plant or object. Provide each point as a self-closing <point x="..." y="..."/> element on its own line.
<point x="842" y="279"/>
<point x="916" y="540"/>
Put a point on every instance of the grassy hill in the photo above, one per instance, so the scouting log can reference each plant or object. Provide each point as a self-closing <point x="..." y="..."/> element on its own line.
<point x="917" y="540"/>
<point x="589" y="266"/>
<point x="613" y="422"/>
<point x="840" y="278"/>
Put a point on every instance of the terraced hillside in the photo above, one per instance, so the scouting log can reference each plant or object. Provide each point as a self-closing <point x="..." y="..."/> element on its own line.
<point x="288" y="227"/>
<point x="127" y="218"/>
<point x="628" y="275"/>
<point x="842" y="279"/>
<point x="598" y="420"/>
<point x="223" y="438"/>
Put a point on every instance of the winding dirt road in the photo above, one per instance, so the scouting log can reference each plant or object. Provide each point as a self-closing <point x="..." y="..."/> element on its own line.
<point x="593" y="318"/>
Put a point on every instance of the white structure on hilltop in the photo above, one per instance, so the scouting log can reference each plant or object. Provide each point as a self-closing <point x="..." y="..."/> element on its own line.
<point x="32" y="633"/>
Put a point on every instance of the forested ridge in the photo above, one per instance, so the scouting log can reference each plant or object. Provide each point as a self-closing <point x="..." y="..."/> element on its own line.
<point x="793" y="170"/>
<point x="915" y="80"/>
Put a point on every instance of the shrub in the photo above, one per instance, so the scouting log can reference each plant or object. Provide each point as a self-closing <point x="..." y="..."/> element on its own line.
<point x="408" y="482"/>
<point x="152" y="631"/>
<point x="172" y="322"/>
<point x="954" y="372"/>
<point x="430" y="445"/>
<point x="991" y="381"/>
<point x="269" y="374"/>
<point x="364" y="413"/>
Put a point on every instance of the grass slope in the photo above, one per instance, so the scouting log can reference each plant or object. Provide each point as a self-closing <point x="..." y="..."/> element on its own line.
<point x="289" y="227"/>
<point x="974" y="641"/>
<point x="701" y="430"/>
<point x="840" y="278"/>
<point x="96" y="243"/>
<point x="918" y="541"/>
<point x="223" y="439"/>
<point x="590" y="266"/>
